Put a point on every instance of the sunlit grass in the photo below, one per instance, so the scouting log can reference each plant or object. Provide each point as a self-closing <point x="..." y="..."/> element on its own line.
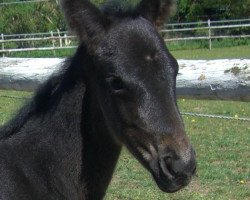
<point x="9" y="104"/>
<point x="215" y="53"/>
<point x="203" y="53"/>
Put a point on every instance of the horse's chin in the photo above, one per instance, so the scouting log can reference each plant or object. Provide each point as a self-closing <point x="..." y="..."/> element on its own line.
<point x="169" y="186"/>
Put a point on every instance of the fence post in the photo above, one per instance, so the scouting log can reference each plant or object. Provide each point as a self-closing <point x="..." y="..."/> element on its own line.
<point x="209" y="34"/>
<point x="2" y="44"/>
<point x="53" y="42"/>
<point x="65" y="39"/>
<point x="60" y="38"/>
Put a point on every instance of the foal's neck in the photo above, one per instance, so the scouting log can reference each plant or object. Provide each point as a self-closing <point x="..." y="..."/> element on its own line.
<point x="100" y="151"/>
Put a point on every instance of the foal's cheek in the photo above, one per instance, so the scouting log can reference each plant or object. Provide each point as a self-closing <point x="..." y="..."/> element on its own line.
<point x="126" y="112"/>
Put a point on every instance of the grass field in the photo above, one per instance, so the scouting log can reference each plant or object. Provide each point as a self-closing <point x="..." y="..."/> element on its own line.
<point x="222" y="147"/>
<point x="215" y="53"/>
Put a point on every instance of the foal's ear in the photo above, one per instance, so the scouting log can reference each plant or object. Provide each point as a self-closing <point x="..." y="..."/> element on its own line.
<point x="85" y="20"/>
<point x="155" y="10"/>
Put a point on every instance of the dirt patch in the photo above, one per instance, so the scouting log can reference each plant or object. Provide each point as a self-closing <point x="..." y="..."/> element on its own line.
<point x="196" y="185"/>
<point x="202" y="77"/>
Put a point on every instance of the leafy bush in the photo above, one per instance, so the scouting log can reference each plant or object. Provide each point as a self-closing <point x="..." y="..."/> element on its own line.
<point x="34" y="17"/>
<point x="31" y="18"/>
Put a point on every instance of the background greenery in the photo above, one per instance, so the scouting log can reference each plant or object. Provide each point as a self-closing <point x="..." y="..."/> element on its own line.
<point x="46" y="16"/>
<point x="193" y="10"/>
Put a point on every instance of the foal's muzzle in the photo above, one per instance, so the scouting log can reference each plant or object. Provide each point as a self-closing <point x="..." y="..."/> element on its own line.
<point x="170" y="160"/>
<point x="171" y="172"/>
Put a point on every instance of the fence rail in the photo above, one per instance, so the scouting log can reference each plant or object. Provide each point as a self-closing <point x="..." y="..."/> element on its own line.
<point x="36" y="39"/>
<point x="212" y="22"/>
<point x="206" y="38"/>
<point x="209" y="31"/>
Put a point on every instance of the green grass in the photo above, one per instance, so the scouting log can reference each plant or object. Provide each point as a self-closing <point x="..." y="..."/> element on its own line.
<point x="204" y="44"/>
<point x="60" y="53"/>
<point x="215" y="53"/>
<point x="203" y="53"/>
<point x="9" y="105"/>
<point x="222" y="146"/>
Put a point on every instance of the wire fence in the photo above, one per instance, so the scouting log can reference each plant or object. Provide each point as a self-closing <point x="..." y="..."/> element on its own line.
<point x="235" y="118"/>
<point x="21" y="2"/>
<point x="216" y="116"/>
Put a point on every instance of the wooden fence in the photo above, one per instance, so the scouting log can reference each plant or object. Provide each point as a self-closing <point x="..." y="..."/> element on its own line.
<point x="171" y="32"/>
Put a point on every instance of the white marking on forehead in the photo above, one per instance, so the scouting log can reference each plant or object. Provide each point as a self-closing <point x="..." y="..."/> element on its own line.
<point x="149" y="58"/>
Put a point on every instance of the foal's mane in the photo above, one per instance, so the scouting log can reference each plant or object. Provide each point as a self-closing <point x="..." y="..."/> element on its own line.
<point x="49" y="93"/>
<point x="121" y="8"/>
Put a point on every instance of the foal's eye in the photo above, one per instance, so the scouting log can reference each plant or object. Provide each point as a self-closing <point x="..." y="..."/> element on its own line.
<point x="116" y="85"/>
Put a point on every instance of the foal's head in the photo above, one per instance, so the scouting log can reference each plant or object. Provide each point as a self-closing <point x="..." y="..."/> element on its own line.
<point x="135" y="84"/>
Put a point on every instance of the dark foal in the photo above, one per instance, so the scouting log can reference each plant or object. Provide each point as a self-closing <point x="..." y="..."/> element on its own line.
<point x="118" y="88"/>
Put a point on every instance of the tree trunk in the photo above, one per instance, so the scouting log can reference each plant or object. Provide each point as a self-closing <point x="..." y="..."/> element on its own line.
<point x="227" y="79"/>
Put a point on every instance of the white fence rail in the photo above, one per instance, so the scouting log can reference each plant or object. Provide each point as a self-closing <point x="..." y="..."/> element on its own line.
<point x="209" y="31"/>
<point x="36" y="42"/>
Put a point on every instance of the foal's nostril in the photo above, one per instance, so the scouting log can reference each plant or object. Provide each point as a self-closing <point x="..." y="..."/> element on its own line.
<point x="178" y="165"/>
<point x="171" y="170"/>
<point x="169" y="165"/>
<point x="168" y="159"/>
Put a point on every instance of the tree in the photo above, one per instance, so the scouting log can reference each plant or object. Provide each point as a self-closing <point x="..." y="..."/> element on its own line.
<point x="31" y="17"/>
<point x="195" y="10"/>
